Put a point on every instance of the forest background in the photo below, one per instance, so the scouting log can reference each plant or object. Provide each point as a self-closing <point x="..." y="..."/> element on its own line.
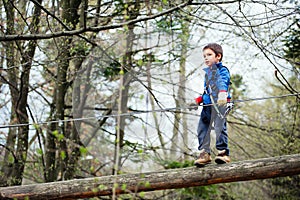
<point x="99" y="87"/>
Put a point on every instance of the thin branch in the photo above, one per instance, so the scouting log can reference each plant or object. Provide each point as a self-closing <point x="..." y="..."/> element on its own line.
<point x="89" y="29"/>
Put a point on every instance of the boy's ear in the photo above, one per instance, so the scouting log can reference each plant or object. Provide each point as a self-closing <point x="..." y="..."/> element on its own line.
<point x="219" y="56"/>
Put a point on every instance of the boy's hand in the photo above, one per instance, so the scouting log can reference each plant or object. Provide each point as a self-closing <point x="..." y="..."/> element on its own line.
<point x="199" y="100"/>
<point x="193" y="106"/>
<point x="222" y="97"/>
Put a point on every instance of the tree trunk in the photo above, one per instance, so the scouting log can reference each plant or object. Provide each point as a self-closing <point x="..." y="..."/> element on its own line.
<point x="125" y="80"/>
<point x="13" y="88"/>
<point x="19" y="93"/>
<point x="180" y="98"/>
<point x="79" y="101"/>
<point x="59" y="166"/>
<point x="264" y="168"/>
<point x="182" y="95"/>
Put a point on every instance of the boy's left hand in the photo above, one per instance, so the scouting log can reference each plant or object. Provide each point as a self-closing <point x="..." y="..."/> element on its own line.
<point x="222" y="98"/>
<point x="193" y="106"/>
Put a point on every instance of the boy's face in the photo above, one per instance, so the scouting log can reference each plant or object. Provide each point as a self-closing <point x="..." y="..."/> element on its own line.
<point x="210" y="57"/>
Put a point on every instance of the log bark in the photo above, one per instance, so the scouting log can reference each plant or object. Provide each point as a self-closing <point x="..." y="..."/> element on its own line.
<point x="169" y="179"/>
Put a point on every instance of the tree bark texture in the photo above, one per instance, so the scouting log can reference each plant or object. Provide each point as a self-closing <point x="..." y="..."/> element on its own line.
<point x="18" y="140"/>
<point x="57" y="155"/>
<point x="169" y="179"/>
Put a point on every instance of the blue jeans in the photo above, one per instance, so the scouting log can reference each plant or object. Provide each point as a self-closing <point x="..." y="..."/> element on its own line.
<point x="209" y="116"/>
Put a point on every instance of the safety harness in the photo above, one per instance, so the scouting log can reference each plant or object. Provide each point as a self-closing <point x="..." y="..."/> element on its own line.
<point x="208" y="90"/>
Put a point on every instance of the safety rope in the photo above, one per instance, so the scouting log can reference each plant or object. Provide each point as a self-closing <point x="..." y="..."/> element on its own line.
<point x="132" y="113"/>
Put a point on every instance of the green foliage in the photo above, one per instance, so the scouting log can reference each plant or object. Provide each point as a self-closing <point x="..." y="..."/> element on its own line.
<point x="167" y="24"/>
<point x="112" y="70"/>
<point x="80" y="48"/>
<point x="11" y="159"/>
<point x="177" y="164"/>
<point x="58" y="135"/>
<point x="165" y="2"/>
<point x="39" y="151"/>
<point x="201" y="192"/>
<point x="63" y="155"/>
<point x="149" y="58"/>
<point x="142" y="194"/>
<point x="95" y="190"/>
<point x="83" y="151"/>
<point x="135" y="151"/>
<point x="292" y="44"/>
<point x="124" y="186"/>
<point x="237" y="86"/>
<point x="102" y="187"/>
<point x="286" y="188"/>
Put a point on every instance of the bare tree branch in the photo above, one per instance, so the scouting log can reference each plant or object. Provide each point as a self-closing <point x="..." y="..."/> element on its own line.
<point x="89" y="29"/>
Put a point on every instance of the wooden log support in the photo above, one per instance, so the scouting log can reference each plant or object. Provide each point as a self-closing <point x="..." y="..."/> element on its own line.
<point x="169" y="179"/>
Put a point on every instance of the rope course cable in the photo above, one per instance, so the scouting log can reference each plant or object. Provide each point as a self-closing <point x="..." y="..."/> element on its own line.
<point x="131" y="113"/>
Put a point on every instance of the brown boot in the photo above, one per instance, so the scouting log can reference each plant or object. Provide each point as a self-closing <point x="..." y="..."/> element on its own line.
<point x="204" y="158"/>
<point x="222" y="157"/>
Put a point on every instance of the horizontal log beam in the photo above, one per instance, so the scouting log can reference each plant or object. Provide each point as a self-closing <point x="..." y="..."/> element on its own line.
<point x="168" y="179"/>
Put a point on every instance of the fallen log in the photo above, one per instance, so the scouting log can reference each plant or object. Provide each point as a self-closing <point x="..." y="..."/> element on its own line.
<point x="169" y="179"/>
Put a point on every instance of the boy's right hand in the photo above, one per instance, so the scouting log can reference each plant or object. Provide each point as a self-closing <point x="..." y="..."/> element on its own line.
<point x="199" y="100"/>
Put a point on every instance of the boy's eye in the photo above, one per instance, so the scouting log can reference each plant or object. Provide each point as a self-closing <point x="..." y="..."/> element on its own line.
<point x="207" y="55"/>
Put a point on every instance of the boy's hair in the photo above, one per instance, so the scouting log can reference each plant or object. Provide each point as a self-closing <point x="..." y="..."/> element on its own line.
<point x="216" y="48"/>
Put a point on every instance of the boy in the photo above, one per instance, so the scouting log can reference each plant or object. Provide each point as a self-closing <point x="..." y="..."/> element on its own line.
<point x="216" y="85"/>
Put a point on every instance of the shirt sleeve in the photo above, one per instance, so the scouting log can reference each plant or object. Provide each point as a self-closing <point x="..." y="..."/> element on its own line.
<point x="224" y="79"/>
